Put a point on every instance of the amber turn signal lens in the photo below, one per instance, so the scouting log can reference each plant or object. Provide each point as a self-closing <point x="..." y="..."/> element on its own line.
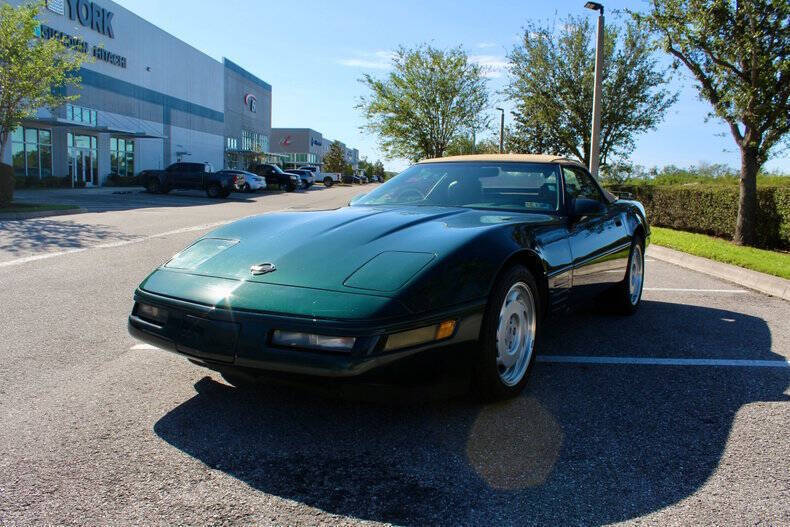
<point x="445" y="329"/>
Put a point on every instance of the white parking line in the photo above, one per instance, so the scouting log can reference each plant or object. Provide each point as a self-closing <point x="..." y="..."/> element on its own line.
<point x="111" y="245"/>
<point x="144" y="347"/>
<point x="682" y="290"/>
<point x="655" y="361"/>
<point x="640" y="361"/>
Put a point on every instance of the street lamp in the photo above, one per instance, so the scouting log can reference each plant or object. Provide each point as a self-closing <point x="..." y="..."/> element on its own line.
<point x="502" y="131"/>
<point x="595" y="140"/>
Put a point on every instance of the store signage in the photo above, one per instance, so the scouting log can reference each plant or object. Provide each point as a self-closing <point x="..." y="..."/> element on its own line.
<point x="56" y="6"/>
<point x="77" y="44"/>
<point x="89" y="14"/>
<point x="315" y="142"/>
<point x="251" y="102"/>
<point x="286" y="141"/>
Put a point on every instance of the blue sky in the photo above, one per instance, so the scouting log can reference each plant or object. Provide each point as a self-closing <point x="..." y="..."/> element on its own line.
<point x="313" y="53"/>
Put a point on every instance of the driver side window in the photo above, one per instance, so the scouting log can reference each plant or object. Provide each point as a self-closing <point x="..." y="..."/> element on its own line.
<point x="579" y="184"/>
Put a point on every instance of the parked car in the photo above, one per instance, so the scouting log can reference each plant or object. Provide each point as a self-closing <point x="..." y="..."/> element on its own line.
<point x="352" y="180"/>
<point x="252" y="182"/>
<point x="327" y="178"/>
<point x="275" y="175"/>
<point x="476" y="250"/>
<point x="191" y="176"/>
<point x="308" y="178"/>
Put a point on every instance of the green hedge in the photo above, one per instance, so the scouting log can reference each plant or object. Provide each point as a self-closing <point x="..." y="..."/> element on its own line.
<point x="713" y="209"/>
<point x="6" y="185"/>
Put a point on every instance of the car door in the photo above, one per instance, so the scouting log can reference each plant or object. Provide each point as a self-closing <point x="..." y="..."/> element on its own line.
<point x="599" y="243"/>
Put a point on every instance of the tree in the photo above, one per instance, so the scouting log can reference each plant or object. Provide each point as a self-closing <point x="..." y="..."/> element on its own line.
<point x="378" y="169"/>
<point x="551" y="83"/>
<point x="462" y="145"/>
<point x="335" y="158"/>
<point x="33" y="71"/>
<point x="430" y="97"/>
<point x="739" y="54"/>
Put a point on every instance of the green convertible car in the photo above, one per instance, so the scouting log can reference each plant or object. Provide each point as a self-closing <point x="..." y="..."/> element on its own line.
<point x="455" y="256"/>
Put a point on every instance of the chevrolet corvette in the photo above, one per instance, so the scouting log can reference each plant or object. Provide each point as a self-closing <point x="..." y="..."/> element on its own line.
<point x="468" y="253"/>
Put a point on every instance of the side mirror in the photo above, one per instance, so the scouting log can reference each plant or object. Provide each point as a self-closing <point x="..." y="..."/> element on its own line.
<point x="587" y="207"/>
<point x="357" y="198"/>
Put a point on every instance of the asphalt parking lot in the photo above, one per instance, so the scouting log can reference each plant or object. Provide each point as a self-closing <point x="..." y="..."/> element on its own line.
<point x="678" y="415"/>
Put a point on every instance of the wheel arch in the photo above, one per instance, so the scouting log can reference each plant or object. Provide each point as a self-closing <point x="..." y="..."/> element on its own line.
<point x="536" y="265"/>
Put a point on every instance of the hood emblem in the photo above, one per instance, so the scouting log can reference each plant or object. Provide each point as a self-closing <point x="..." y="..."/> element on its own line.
<point x="264" y="268"/>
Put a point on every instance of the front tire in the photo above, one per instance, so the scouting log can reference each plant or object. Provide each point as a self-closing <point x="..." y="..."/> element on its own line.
<point x="328" y="182"/>
<point x="509" y="335"/>
<point x="628" y="293"/>
<point x="153" y="186"/>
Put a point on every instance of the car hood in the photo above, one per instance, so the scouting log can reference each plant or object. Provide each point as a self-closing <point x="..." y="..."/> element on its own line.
<point x="366" y="250"/>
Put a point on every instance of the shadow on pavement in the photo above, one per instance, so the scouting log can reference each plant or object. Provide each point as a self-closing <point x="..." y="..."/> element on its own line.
<point x="24" y="236"/>
<point x="584" y="444"/>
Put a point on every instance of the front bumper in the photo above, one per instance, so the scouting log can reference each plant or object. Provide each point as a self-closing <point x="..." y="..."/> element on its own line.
<point x="221" y="338"/>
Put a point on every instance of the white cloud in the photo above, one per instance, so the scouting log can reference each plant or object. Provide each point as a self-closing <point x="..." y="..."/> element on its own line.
<point x="495" y="65"/>
<point x="378" y="60"/>
<point x="486" y="45"/>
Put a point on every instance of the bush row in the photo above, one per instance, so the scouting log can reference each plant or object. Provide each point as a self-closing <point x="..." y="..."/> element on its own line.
<point x="713" y="209"/>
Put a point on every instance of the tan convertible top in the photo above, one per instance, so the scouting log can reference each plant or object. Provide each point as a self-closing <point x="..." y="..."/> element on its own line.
<point x="516" y="158"/>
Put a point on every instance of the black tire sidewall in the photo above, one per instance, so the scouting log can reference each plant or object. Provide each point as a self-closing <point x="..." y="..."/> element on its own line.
<point x="624" y="300"/>
<point x="213" y="191"/>
<point x="487" y="380"/>
<point x="153" y="186"/>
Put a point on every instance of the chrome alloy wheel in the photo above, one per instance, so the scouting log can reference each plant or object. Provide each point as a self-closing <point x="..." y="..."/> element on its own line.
<point x="515" y="334"/>
<point x="636" y="275"/>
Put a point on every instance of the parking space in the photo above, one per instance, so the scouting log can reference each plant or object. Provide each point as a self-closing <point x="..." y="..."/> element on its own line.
<point x="99" y="430"/>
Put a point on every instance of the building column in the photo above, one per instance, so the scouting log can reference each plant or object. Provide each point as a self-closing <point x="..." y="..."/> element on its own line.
<point x="60" y="152"/>
<point x="103" y="145"/>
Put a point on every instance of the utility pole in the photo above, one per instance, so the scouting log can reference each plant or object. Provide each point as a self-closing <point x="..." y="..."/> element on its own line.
<point x="502" y="131"/>
<point x="595" y="139"/>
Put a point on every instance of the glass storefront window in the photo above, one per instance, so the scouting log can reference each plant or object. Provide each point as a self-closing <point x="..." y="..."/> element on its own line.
<point x="78" y="114"/>
<point x="122" y="156"/>
<point x="31" y="152"/>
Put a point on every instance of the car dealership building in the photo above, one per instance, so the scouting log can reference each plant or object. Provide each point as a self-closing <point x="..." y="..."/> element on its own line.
<point x="305" y="146"/>
<point x="147" y="100"/>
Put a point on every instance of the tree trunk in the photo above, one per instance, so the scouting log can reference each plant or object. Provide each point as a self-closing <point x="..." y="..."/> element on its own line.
<point x="746" y="226"/>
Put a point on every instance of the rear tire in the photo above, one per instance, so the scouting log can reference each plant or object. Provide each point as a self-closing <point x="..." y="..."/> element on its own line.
<point x="627" y="295"/>
<point x="214" y="191"/>
<point x="328" y="182"/>
<point x="508" y="336"/>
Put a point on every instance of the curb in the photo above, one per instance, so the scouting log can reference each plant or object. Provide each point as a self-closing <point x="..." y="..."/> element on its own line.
<point x="40" y="214"/>
<point x="764" y="283"/>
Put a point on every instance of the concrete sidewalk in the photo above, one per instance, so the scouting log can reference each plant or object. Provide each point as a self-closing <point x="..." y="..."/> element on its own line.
<point x="765" y="283"/>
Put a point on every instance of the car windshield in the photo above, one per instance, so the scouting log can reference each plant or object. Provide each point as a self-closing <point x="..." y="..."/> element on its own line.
<point x="477" y="185"/>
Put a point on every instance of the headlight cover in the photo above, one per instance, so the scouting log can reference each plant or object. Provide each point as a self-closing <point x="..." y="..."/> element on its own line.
<point x="153" y="314"/>
<point x="292" y="339"/>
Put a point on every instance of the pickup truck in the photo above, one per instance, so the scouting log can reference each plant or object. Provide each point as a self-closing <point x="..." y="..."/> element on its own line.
<point x="327" y="178"/>
<point x="275" y="176"/>
<point x="191" y="176"/>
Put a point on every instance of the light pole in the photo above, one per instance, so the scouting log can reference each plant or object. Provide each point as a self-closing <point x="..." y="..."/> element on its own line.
<point x="502" y="131"/>
<point x="595" y="140"/>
